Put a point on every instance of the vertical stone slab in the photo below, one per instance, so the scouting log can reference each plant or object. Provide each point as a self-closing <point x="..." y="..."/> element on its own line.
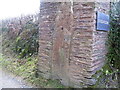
<point x="61" y="43"/>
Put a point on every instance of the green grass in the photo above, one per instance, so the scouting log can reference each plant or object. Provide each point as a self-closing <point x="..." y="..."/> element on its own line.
<point x="26" y="68"/>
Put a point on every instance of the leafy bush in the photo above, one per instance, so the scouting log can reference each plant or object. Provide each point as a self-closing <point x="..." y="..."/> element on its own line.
<point x="26" y="44"/>
<point x="114" y="38"/>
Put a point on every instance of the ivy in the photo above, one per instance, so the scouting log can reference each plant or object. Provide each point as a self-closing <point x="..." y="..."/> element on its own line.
<point x="114" y="38"/>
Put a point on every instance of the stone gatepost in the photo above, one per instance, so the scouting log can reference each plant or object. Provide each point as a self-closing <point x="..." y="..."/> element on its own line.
<point x="70" y="48"/>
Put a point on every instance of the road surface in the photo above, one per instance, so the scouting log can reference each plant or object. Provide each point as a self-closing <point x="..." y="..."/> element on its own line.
<point x="8" y="80"/>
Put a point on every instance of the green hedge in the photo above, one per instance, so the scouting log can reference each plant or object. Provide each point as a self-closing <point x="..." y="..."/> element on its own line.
<point x="26" y="44"/>
<point x="23" y="41"/>
<point x="114" y="37"/>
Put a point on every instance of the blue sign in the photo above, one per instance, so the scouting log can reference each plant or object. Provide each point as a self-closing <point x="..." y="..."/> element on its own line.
<point x="103" y="21"/>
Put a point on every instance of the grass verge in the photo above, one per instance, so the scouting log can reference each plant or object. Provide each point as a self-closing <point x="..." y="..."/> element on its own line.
<point x="26" y="68"/>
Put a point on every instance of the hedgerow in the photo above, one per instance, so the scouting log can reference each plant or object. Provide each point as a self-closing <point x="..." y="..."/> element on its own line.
<point x="114" y="38"/>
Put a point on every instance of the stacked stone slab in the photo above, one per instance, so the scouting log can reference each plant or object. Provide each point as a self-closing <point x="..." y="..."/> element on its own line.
<point x="71" y="49"/>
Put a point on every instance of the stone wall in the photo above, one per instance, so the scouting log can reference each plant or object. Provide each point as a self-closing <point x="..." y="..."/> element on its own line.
<point x="48" y="15"/>
<point x="99" y="48"/>
<point x="71" y="50"/>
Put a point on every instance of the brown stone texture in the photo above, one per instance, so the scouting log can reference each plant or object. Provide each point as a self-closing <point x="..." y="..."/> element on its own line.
<point x="71" y="49"/>
<point x="99" y="48"/>
<point x="81" y="45"/>
<point x="61" y="43"/>
<point x="46" y="33"/>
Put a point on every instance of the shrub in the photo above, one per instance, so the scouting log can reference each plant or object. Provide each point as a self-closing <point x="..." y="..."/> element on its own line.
<point x="114" y="38"/>
<point x="26" y="44"/>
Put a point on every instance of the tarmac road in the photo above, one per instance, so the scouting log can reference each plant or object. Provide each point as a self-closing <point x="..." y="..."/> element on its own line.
<point x="8" y="80"/>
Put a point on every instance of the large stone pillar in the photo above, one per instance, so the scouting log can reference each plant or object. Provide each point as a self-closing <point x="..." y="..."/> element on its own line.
<point x="70" y="47"/>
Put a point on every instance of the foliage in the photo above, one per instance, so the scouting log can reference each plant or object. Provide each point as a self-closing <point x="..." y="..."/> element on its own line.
<point x="108" y="77"/>
<point x="28" y="71"/>
<point x="114" y="38"/>
<point x="20" y="36"/>
<point x="26" y="44"/>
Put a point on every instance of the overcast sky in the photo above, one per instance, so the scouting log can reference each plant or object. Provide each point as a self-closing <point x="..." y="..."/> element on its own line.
<point x="14" y="8"/>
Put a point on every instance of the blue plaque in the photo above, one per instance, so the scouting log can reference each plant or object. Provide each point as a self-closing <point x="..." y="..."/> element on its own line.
<point x="103" y="21"/>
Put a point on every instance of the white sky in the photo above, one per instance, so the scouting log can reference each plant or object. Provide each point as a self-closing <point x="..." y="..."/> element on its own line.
<point x="15" y="8"/>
